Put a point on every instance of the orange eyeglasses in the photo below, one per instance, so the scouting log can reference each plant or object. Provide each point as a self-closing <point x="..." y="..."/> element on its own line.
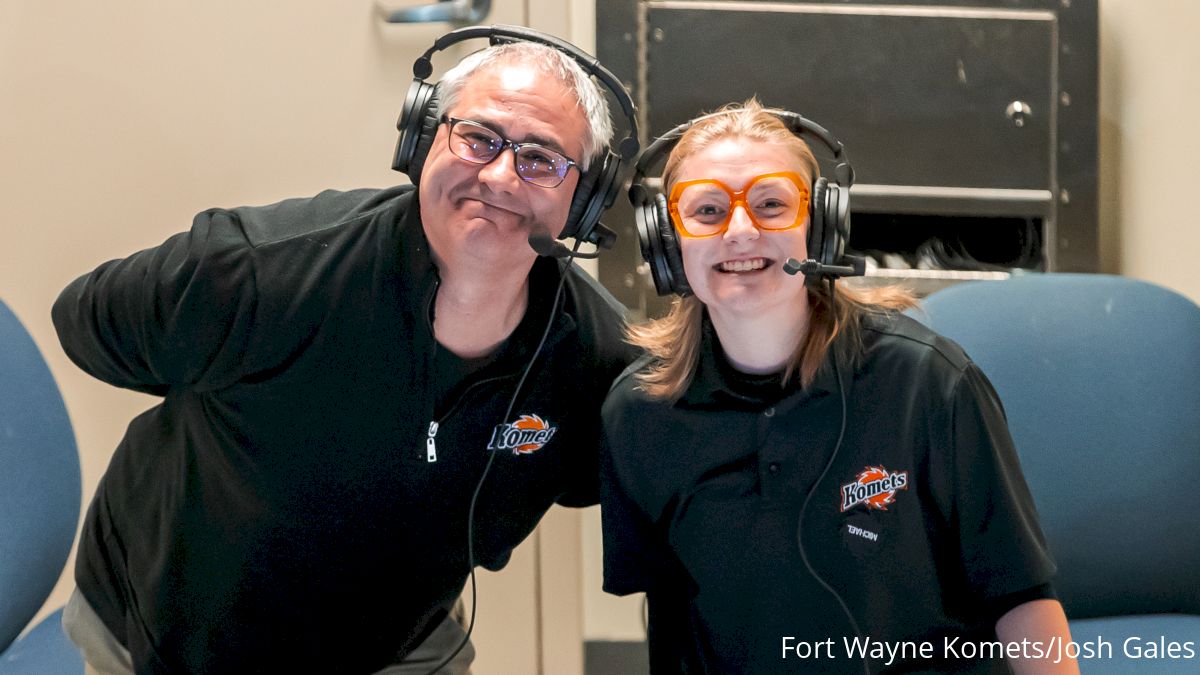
<point x="774" y="201"/>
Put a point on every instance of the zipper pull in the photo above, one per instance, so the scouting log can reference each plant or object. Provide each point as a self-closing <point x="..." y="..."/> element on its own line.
<point x="430" y="446"/>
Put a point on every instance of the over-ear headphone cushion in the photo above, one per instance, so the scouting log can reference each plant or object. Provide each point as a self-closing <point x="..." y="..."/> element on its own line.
<point x="646" y="224"/>
<point x="429" y="128"/>
<point x="418" y="128"/>
<point x="838" y="217"/>
<point x="818" y="223"/>
<point x="669" y="245"/>
<point x="581" y="200"/>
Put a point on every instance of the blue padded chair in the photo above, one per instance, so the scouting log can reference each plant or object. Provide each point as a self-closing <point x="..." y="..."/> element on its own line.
<point x="39" y="504"/>
<point x="1100" y="380"/>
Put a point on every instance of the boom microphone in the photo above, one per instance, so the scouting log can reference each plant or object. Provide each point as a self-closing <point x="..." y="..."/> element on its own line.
<point x="810" y="267"/>
<point x="545" y="245"/>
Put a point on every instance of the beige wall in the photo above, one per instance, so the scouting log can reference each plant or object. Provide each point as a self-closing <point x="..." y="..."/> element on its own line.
<point x="1150" y="141"/>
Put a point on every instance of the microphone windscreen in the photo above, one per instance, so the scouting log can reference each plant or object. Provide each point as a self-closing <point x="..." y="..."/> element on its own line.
<point x="544" y="245"/>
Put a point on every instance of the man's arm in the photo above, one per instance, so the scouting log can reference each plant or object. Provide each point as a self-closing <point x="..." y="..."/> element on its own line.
<point x="1039" y="621"/>
<point x="172" y="315"/>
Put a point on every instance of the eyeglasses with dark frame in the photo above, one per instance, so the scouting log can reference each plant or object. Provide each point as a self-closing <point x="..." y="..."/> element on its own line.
<point x="536" y="164"/>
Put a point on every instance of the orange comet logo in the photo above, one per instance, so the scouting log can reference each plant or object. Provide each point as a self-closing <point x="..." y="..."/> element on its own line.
<point x="526" y="435"/>
<point x="875" y="488"/>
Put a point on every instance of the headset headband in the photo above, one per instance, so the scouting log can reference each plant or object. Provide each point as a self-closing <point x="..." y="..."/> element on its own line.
<point x="843" y="173"/>
<point x="504" y="34"/>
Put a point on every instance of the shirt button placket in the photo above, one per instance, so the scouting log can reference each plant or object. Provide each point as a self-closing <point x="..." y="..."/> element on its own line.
<point x="771" y="483"/>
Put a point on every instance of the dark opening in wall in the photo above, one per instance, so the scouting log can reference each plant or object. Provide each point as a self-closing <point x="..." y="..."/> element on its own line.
<point x="974" y="243"/>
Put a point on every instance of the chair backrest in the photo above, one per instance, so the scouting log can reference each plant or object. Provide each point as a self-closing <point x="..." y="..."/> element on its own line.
<point x="1100" y="379"/>
<point x="39" y="479"/>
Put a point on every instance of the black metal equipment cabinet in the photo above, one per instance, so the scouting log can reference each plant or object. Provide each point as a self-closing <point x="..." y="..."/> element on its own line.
<point x="972" y="125"/>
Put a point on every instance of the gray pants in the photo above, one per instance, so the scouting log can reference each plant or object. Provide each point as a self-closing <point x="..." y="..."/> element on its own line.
<point x="105" y="655"/>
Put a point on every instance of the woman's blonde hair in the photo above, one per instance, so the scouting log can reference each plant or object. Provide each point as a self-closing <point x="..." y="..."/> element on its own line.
<point x="674" y="340"/>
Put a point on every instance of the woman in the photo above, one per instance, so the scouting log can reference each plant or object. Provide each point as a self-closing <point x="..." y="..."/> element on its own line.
<point x="799" y="476"/>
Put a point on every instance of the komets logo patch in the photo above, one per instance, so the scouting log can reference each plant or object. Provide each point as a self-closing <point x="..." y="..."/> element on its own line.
<point x="526" y="435"/>
<point x="875" y="488"/>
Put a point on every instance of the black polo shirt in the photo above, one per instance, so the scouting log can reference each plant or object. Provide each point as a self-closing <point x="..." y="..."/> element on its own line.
<point x="922" y="525"/>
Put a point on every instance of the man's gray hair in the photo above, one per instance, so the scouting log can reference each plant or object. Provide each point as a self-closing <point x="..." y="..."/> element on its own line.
<point x="551" y="62"/>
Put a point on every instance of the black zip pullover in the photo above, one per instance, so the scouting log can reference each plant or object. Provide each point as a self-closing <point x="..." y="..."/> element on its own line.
<point x="296" y="503"/>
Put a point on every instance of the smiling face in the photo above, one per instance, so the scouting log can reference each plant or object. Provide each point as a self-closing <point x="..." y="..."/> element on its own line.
<point x="484" y="213"/>
<point x="739" y="273"/>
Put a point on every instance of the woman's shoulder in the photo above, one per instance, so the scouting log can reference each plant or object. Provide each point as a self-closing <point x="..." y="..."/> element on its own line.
<point x="626" y="389"/>
<point x="899" y="343"/>
<point x="629" y="405"/>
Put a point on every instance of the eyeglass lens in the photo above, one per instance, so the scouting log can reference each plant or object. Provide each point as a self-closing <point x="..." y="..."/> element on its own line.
<point x="705" y="207"/>
<point x="536" y="164"/>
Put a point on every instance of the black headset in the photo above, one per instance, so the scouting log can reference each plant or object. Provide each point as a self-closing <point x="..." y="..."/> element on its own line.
<point x="829" y="212"/>
<point x="597" y="188"/>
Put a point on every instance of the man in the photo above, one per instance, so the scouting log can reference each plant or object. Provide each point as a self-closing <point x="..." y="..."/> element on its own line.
<point x="335" y="374"/>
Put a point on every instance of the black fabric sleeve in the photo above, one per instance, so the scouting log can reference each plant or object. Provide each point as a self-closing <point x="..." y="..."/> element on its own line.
<point x="637" y="559"/>
<point x="998" y="607"/>
<point x="672" y="640"/>
<point x="584" y="489"/>
<point x="634" y="551"/>
<point x="637" y="555"/>
<point x="1002" y="546"/>
<point x="178" y="314"/>
<point x="601" y="320"/>
<point x="583" y="486"/>
<point x="635" y="548"/>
